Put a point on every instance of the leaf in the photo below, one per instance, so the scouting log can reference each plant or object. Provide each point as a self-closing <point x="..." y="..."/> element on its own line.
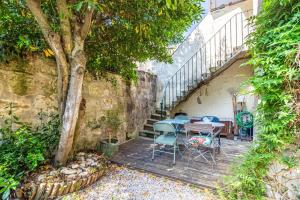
<point x="48" y="52"/>
<point x="169" y="3"/>
<point x="78" y="6"/>
<point x="6" y="194"/>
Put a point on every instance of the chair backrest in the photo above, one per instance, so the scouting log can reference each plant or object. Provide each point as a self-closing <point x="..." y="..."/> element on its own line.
<point x="164" y="127"/>
<point x="211" y="118"/>
<point x="181" y="117"/>
<point x="199" y="128"/>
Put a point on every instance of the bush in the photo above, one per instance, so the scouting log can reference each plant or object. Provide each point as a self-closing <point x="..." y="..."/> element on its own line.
<point x="23" y="148"/>
<point x="273" y="48"/>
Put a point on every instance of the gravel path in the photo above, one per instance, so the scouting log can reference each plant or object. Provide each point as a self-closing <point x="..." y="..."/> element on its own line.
<point x="126" y="184"/>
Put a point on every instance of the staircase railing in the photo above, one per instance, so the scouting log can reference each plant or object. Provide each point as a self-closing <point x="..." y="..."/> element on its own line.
<point x="228" y="41"/>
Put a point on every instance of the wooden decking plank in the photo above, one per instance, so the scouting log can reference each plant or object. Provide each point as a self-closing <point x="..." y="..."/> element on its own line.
<point x="137" y="154"/>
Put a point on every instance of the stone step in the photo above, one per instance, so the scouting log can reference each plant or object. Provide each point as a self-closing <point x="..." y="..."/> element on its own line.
<point x="184" y="92"/>
<point x="148" y="134"/>
<point x="158" y="111"/>
<point x="156" y="116"/>
<point x="148" y="127"/>
<point x="151" y="121"/>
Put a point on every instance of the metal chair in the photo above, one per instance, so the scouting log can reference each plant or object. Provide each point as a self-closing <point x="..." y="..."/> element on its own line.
<point x="199" y="145"/>
<point x="181" y="117"/>
<point x="167" y="137"/>
<point x="180" y="128"/>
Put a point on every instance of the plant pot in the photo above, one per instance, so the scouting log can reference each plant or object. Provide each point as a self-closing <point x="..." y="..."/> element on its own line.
<point x="108" y="149"/>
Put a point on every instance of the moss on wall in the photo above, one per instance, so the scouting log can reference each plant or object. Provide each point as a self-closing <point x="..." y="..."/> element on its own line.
<point x="20" y="83"/>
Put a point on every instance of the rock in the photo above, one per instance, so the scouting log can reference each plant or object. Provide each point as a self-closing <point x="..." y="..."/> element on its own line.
<point x="75" y="166"/>
<point x="68" y="171"/>
<point x="82" y="165"/>
<point x="81" y="154"/>
<point x="41" y="177"/>
<point x="19" y="193"/>
<point x="53" y="173"/>
<point x="91" y="162"/>
<point x="83" y="174"/>
<point x="72" y="176"/>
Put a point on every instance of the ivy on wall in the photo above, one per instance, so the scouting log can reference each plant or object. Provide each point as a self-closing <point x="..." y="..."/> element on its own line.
<point x="273" y="49"/>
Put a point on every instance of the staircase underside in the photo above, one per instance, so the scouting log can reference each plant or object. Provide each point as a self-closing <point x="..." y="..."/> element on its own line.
<point x="240" y="55"/>
<point x="148" y="130"/>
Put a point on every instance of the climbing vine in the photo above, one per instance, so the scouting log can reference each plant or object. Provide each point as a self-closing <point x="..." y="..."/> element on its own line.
<point x="273" y="48"/>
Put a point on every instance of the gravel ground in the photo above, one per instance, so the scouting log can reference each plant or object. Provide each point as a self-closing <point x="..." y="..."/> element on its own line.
<point x="126" y="184"/>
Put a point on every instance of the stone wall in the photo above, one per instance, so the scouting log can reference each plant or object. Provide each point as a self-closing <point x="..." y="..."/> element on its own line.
<point x="283" y="182"/>
<point x="31" y="86"/>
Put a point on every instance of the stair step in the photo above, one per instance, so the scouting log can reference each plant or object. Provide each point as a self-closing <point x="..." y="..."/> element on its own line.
<point x="152" y="121"/>
<point x="179" y="97"/>
<point x="184" y="93"/>
<point x="148" y="127"/>
<point x="146" y="133"/>
<point x="158" y="111"/>
<point x="156" y="116"/>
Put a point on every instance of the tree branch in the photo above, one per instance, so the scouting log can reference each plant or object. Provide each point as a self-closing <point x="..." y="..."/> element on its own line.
<point x="85" y="29"/>
<point x="54" y="41"/>
<point x="66" y="31"/>
<point x="35" y="8"/>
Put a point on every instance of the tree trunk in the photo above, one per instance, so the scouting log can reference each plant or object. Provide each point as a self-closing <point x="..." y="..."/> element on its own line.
<point x="74" y="96"/>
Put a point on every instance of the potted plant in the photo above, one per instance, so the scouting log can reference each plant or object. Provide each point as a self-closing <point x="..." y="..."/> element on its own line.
<point x="111" y="124"/>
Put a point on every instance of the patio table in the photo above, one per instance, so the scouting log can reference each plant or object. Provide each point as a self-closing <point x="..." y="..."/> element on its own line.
<point x="176" y="122"/>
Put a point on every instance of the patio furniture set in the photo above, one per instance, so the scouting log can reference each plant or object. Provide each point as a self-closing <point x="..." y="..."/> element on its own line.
<point x="181" y="135"/>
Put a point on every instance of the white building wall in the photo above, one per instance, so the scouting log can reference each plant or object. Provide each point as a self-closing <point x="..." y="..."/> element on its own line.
<point x="210" y="24"/>
<point x="216" y="97"/>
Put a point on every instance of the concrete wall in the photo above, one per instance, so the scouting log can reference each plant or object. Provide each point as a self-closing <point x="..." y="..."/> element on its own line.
<point x="210" y="24"/>
<point x="216" y="96"/>
<point x="31" y="86"/>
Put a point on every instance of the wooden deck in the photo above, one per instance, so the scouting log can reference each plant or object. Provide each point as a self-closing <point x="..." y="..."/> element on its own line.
<point x="137" y="154"/>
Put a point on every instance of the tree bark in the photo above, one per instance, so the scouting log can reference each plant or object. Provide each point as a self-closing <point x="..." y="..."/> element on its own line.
<point x="68" y="47"/>
<point x="54" y="41"/>
<point x="70" y="116"/>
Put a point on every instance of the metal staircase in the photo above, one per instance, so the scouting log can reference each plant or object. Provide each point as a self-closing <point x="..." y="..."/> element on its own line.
<point x="213" y="57"/>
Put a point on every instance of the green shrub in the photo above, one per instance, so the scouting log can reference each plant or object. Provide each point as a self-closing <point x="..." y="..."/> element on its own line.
<point x="23" y="148"/>
<point x="273" y="48"/>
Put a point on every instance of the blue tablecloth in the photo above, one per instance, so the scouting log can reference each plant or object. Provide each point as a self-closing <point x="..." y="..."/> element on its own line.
<point x="175" y="121"/>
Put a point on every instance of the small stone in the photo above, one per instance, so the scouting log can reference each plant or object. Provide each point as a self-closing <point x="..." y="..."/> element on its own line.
<point x="41" y="177"/>
<point x="75" y="166"/>
<point x="83" y="174"/>
<point x="82" y="165"/>
<point x="81" y="154"/>
<point x="53" y="173"/>
<point x="68" y="171"/>
<point x="71" y="176"/>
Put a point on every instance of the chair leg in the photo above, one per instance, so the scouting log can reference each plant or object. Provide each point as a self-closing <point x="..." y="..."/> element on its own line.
<point x="174" y="158"/>
<point x="190" y="152"/>
<point x="213" y="155"/>
<point x="153" y="151"/>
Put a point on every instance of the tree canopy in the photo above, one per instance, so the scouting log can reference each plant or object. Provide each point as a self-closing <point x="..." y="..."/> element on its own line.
<point x="122" y="34"/>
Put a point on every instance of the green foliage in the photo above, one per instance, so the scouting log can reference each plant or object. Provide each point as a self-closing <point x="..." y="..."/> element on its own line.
<point x="19" y="34"/>
<point x="23" y="148"/>
<point x="110" y="122"/>
<point x="273" y="48"/>
<point x="123" y="32"/>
